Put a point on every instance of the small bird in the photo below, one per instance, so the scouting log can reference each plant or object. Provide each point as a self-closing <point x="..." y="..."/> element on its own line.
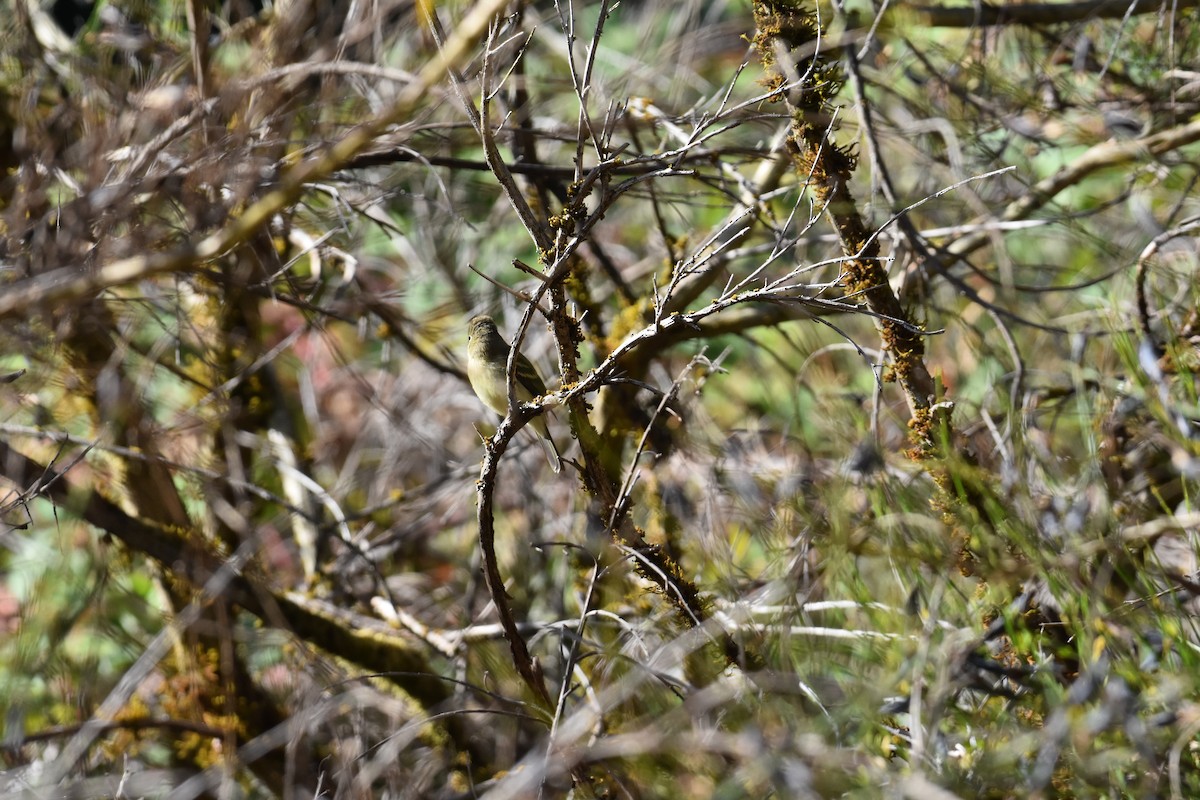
<point x="487" y="365"/>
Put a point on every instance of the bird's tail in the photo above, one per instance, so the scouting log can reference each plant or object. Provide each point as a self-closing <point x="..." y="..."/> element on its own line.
<point x="539" y="428"/>
<point x="551" y="452"/>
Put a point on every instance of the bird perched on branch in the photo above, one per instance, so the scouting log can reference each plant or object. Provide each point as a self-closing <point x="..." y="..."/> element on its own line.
<point x="487" y="369"/>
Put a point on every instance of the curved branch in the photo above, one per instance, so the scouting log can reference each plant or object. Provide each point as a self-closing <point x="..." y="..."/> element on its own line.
<point x="527" y="668"/>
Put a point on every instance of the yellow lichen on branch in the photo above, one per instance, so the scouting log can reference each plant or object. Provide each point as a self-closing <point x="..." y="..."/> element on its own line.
<point x="808" y="86"/>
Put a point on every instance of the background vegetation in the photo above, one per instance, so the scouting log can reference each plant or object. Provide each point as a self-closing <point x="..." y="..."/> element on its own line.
<point x="875" y="326"/>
